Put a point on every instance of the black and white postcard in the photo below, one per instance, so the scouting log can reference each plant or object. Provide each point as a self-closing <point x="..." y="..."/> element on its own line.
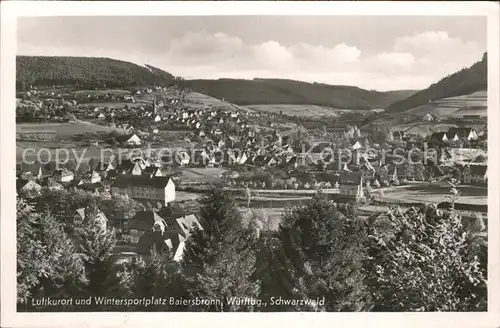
<point x="162" y="160"/>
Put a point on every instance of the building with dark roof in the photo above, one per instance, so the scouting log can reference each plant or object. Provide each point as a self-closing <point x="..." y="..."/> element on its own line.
<point x="149" y="230"/>
<point x="351" y="184"/>
<point x="464" y="133"/>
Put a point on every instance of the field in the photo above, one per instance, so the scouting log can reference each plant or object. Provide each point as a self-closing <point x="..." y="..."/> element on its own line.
<point x="199" y="100"/>
<point x="63" y="130"/>
<point x="295" y="110"/>
<point x="201" y="175"/>
<point x="114" y="92"/>
<point x="430" y="193"/>
<point x="114" y="104"/>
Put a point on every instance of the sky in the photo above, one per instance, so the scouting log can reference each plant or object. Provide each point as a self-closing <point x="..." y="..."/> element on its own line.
<point x="371" y="52"/>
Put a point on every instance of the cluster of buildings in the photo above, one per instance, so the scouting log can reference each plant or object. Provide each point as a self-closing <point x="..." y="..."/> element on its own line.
<point x="135" y="178"/>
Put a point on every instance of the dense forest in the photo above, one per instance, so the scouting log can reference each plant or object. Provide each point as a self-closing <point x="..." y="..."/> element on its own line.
<point x="465" y="81"/>
<point x="281" y="91"/>
<point x="85" y="72"/>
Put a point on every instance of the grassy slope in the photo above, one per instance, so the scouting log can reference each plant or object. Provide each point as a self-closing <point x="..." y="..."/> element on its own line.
<point x="463" y="82"/>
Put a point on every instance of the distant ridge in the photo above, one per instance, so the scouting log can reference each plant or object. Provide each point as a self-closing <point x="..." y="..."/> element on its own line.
<point x="92" y="72"/>
<point x="260" y="91"/>
<point x="463" y="82"/>
<point x="85" y="72"/>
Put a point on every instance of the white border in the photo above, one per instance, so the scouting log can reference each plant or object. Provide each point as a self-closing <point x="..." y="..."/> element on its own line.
<point x="10" y="10"/>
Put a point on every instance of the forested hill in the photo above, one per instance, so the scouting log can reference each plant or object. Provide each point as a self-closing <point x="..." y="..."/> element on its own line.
<point x="281" y="91"/>
<point x="89" y="72"/>
<point x="465" y="81"/>
<point x="85" y="72"/>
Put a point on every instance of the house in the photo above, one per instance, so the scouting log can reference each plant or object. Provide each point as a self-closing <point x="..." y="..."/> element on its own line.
<point x="152" y="171"/>
<point x="94" y="177"/>
<point x="63" y="175"/>
<point x="129" y="140"/>
<point x="151" y="230"/>
<point x="143" y="187"/>
<point x="137" y="169"/>
<point x="351" y="184"/>
<point x="452" y="136"/>
<point x="101" y="116"/>
<point x="357" y="145"/>
<point x="157" y="118"/>
<point x="153" y="129"/>
<point x="439" y="137"/>
<point x="182" y="158"/>
<point x="103" y="166"/>
<point x="200" y="157"/>
<point x="242" y="158"/>
<point x="464" y="133"/>
<point x="80" y="218"/>
<point x="27" y="185"/>
<point x="145" y="221"/>
<point x="476" y="174"/>
<point x="398" y="135"/>
<point x="53" y="185"/>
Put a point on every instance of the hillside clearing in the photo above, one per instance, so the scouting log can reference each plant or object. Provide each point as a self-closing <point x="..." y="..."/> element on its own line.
<point x="295" y="110"/>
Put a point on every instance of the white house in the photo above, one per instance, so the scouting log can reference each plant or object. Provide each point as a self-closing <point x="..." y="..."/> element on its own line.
<point x="159" y="189"/>
<point x="63" y="175"/>
<point x="131" y="140"/>
<point x="94" y="177"/>
<point x="182" y="157"/>
<point x="357" y="145"/>
<point x="157" y="118"/>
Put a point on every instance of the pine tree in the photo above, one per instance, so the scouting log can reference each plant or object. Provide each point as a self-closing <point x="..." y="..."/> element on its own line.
<point x="47" y="265"/>
<point x="319" y="255"/>
<point x="219" y="260"/>
<point x="157" y="275"/>
<point x="97" y="253"/>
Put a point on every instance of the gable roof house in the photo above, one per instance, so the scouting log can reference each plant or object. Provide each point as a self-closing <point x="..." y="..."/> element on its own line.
<point x="464" y="133"/>
<point x="129" y="140"/>
<point x="452" y="136"/>
<point x="152" y="171"/>
<point x="63" y="175"/>
<point x="27" y="185"/>
<point x="53" y="185"/>
<point x="397" y="135"/>
<point x="351" y="184"/>
<point x="479" y="174"/>
<point x="182" y="158"/>
<point x="439" y="137"/>
<point x="100" y="219"/>
<point x="151" y="230"/>
<point x="143" y="187"/>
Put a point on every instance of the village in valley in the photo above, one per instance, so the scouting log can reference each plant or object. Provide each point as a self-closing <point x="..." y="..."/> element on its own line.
<point x="140" y="190"/>
<point x="265" y="160"/>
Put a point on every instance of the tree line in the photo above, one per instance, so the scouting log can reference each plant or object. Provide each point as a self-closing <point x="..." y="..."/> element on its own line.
<point x="424" y="259"/>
